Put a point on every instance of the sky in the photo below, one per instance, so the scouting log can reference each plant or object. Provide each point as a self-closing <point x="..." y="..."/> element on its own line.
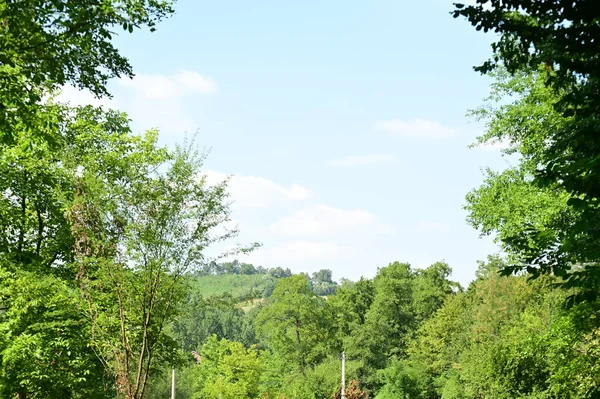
<point x="342" y="123"/>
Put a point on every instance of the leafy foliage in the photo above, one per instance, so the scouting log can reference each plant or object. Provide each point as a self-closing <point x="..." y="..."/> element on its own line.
<point x="44" y="340"/>
<point x="550" y="50"/>
<point x="49" y="43"/>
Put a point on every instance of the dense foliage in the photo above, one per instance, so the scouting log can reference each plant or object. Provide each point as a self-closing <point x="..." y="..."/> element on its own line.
<point x="550" y="49"/>
<point x="105" y="285"/>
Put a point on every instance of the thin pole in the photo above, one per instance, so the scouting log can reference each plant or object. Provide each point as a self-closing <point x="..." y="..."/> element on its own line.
<point x="173" y="385"/>
<point x="343" y="375"/>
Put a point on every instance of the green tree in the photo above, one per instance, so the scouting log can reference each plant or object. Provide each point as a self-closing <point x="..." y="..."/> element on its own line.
<point x="557" y="41"/>
<point x="542" y="226"/>
<point x="39" y="187"/>
<point x="228" y="370"/>
<point x="49" y="43"/>
<point x="431" y="287"/>
<point x="504" y="337"/>
<point x="387" y="323"/>
<point x="350" y="305"/>
<point x="155" y="228"/>
<point x="45" y="342"/>
<point x="220" y="316"/>
<point x="296" y="324"/>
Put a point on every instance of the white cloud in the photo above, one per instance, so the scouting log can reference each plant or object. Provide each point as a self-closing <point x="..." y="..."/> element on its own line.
<point x="169" y="86"/>
<point x="495" y="145"/>
<point x="416" y="128"/>
<point x="322" y="221"/>
<point x="76" y="97"/>
<point x="258" y="192"/>
<point x="361" y="160"/>
<point x="196" y="82"/>
<point x="433" y="226"/>
<point x="301" y="251"/>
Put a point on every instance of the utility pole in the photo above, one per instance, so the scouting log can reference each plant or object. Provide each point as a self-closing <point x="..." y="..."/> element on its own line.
<point x="173" y="385"/>
<point x="343" y="375"/>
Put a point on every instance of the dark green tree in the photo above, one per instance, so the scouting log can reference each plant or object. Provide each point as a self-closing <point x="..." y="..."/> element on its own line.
<point x="296" y="324"/>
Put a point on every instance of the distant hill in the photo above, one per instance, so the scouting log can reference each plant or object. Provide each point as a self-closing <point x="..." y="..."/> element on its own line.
<point x="244" y="281"/>
<point x="240" y="286"/>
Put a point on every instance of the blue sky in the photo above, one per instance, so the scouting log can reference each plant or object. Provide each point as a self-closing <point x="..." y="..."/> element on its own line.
<point x="343" y="123"/>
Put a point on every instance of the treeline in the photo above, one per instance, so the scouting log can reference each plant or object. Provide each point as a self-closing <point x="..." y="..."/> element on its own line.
<point x="321" y="282"/>
<point x="236" y="267"/>
<point x="290" y="344"/>
<point x="406" y="333"/>
<point x="102" y="231"/>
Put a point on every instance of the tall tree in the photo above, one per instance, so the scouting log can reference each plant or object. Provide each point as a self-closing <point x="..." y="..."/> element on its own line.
<point x="296" y="324"/>
<point x="560" y="39"/>
<point x="45" y="341"/>
<point x="228" y="370"/>
<point x="545" y="227"/>
<point x="46" y="44"/>
<point x="135" y="242"/>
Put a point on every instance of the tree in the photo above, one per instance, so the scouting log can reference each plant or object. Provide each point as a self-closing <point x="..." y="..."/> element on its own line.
<point x="279" y="272"/>
<point x="228" y="370"/>
<point x="44" y="340"/>
<point x="401" y="381"/>
<point x="39" y="187"/>
<point x="247" y="268"/>
<point x="557" y="40"/>
<point x="504" y="337"/>
<point x="322" y="276"/>
<point x="533" y="33"/>
<point x="542" y="225"/>
<point x="202" y="318"/>
<point x="387" y="323"/>
<point x="431" y="288"/>
<point x="135" y="242"/>
<point x="49" y="43"/>
<point x="296" y="324"/>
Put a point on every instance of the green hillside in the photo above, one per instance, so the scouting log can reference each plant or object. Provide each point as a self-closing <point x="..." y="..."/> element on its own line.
<point x="238" y="285"/>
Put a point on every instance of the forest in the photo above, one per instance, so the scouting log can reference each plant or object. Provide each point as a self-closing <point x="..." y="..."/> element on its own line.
<point x="106" y="285"/>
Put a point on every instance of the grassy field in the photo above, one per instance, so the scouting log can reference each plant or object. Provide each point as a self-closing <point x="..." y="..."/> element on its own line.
<point x="238" y="285"/>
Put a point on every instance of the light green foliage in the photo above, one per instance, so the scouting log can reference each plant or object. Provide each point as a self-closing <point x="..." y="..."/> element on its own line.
<point x="296" y="324"/>
<point x="237" y="285"/>
<point x="186" y="379"/>
<point x="431" y="287"/>
<point x="44" y="340"/>
<point x="504" y="337"/>
<point x="389" y="319"/>
<point x="322" y="284"/>
<point x="160" y="224"/>
<point x="228" y="370"/>
<point x="402" y="299"/>
<point x="549" y="50"/>
<point x="92" y="209"/>
<point x="401" y="381"/>
<point x="38" y="186"/>
<point x="545" y="226"/>
<point x="350" y="304"/>
<point x="49" y="43"/>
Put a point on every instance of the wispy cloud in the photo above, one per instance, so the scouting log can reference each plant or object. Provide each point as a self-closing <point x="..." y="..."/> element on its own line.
<point x="433" y="226"/>
<point x="324" y="221"/>
<point x="258" y="192"/>
<point x="154" y="86"/>
<point x="418" y="128"/>
<point x="354" y="160"/>
<point x="301" y="251"/>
